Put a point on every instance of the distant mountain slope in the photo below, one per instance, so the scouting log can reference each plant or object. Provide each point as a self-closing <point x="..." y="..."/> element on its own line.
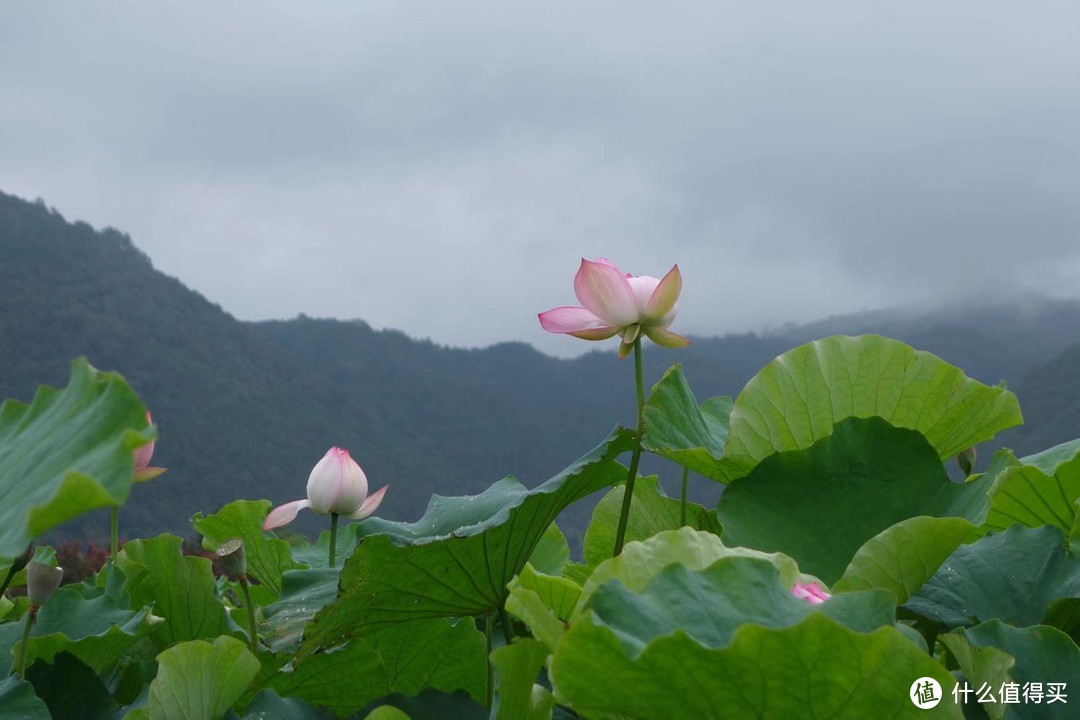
<point x="245" y="409"/>
<point x="1050" y="398"/>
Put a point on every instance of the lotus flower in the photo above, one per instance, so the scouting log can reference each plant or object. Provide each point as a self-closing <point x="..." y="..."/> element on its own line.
<point x="618" y="304"/>
<point x="143" y="453"/>
<point x="336" y="486"/>
<point x="810" y="592"/>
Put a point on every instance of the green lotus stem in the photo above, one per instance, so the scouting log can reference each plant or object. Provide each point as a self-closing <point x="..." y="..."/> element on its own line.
<point x="114" y="531"/>
<point x="682" y="504"/>
<point x="253" y="630"/>
<point x="20" y="665"/>
<point x="490" y="669"/>
<point x="508" y="628"/>
<point x="7" y="580"/>
<point x="333" y="537"/>
<point x="636" y="457"/>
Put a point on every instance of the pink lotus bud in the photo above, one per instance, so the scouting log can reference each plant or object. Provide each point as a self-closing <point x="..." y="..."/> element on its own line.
<point x="143" y="454"/>
<point x="41" y="582"/>
<point x="616" y="304"/>
<point x="810" y="592"/>
<point x="336" y="485"/>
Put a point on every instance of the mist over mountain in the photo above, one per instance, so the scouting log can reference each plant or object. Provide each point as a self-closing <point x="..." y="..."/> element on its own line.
<point x="246" y="409"/>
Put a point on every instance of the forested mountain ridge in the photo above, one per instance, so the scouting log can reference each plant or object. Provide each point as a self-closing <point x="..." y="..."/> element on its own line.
<point x="245" y="409"/>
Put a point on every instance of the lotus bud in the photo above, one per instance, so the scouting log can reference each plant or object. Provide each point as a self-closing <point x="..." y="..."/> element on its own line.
<point x="233" y="559"/>
<point x="41" y="582"/>
<point x="335" y="486"/>
<point x="810" y="592"/>
<point x="966" y="460"/>
<point x="143" y="455"/>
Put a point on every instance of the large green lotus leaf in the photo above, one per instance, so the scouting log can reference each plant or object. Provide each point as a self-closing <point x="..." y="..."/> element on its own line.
<point x="266" y="556"/>
<point x="197" y="680"/>
<point x="1042" y="655"/>
<point x="1013" y="576"/>
<point x="517" y="696"/>
<point x="70" y="689"/>
<point x="543" y="602"/>
<point x="95" y="625"/>
<point x="268" y="705"/>
<point x="710" y="605"/>
<point x="434" y="705"/>
<point x="552" y="552"/>
<point x="131" y="686"/>
<point x="68" y="452"/>
<point x="901" y="558"/>
<point x="815" y="669"/>
<point x="822" y="503"/>
<point x="343" y="679"/>
<point x="529" y="606"/>
<point x="457" y="559"/>
<point x="434" y="653"/>
<point x="982" y="667"/>
<point x="1074" y="536"/>
<point x="18" y="701"/>
<point x="797" y="399"/>
<point x="577" y="573"/>
<point x="317" y="554"/>
<point x="650" y="512"/>
<point x="181" y="589"/>
<point x="641" y="561"/>
<point x="386" y="712"/>
<point x="6" y="606"/>
<point x="558" y="594"/>
<point x="1043" y="490"/>
<point x="677" y="429"/>
<point x="303" y="593"/>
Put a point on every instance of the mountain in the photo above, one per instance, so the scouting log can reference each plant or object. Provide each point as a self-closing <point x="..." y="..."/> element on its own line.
<point x="1051" y="402"/>
<point x="246" y="409"/>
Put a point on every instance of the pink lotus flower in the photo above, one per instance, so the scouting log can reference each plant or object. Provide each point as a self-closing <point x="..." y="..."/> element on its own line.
<point x="618" y="304"/>
<point x="143" y="453"/>
<point x="810" y="592"/>
<point x="336" y="485"/>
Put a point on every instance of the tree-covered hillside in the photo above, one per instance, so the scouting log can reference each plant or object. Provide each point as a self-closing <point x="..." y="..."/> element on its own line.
<point x="246" y="409"/>
<point x="1051" y="402"/>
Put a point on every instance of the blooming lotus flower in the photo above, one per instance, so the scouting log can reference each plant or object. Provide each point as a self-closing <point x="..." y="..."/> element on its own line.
<point x="143" y="453"/>
<point x="336" y="485"/>
<point x="618" y="304"/>
<point x="810" y="592"/>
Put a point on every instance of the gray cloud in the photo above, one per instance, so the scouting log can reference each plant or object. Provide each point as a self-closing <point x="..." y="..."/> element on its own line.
<point x="441" y="168"/>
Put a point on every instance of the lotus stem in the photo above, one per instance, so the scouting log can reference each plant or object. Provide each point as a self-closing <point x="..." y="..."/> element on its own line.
<point x="114" y="531"/>
<point x="253" y="630"/>
<point x="636" y="457"/>
<point x="682" y="503"/>
<point x="20" y="665"/>
<point x="333" y="537"/>
<point x="507" y="626"/>
<point x="490" y="669"/>
<point x="7" y="580"/>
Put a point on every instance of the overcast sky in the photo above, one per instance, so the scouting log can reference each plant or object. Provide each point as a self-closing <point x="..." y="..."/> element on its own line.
<point x="441" y="167"/>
